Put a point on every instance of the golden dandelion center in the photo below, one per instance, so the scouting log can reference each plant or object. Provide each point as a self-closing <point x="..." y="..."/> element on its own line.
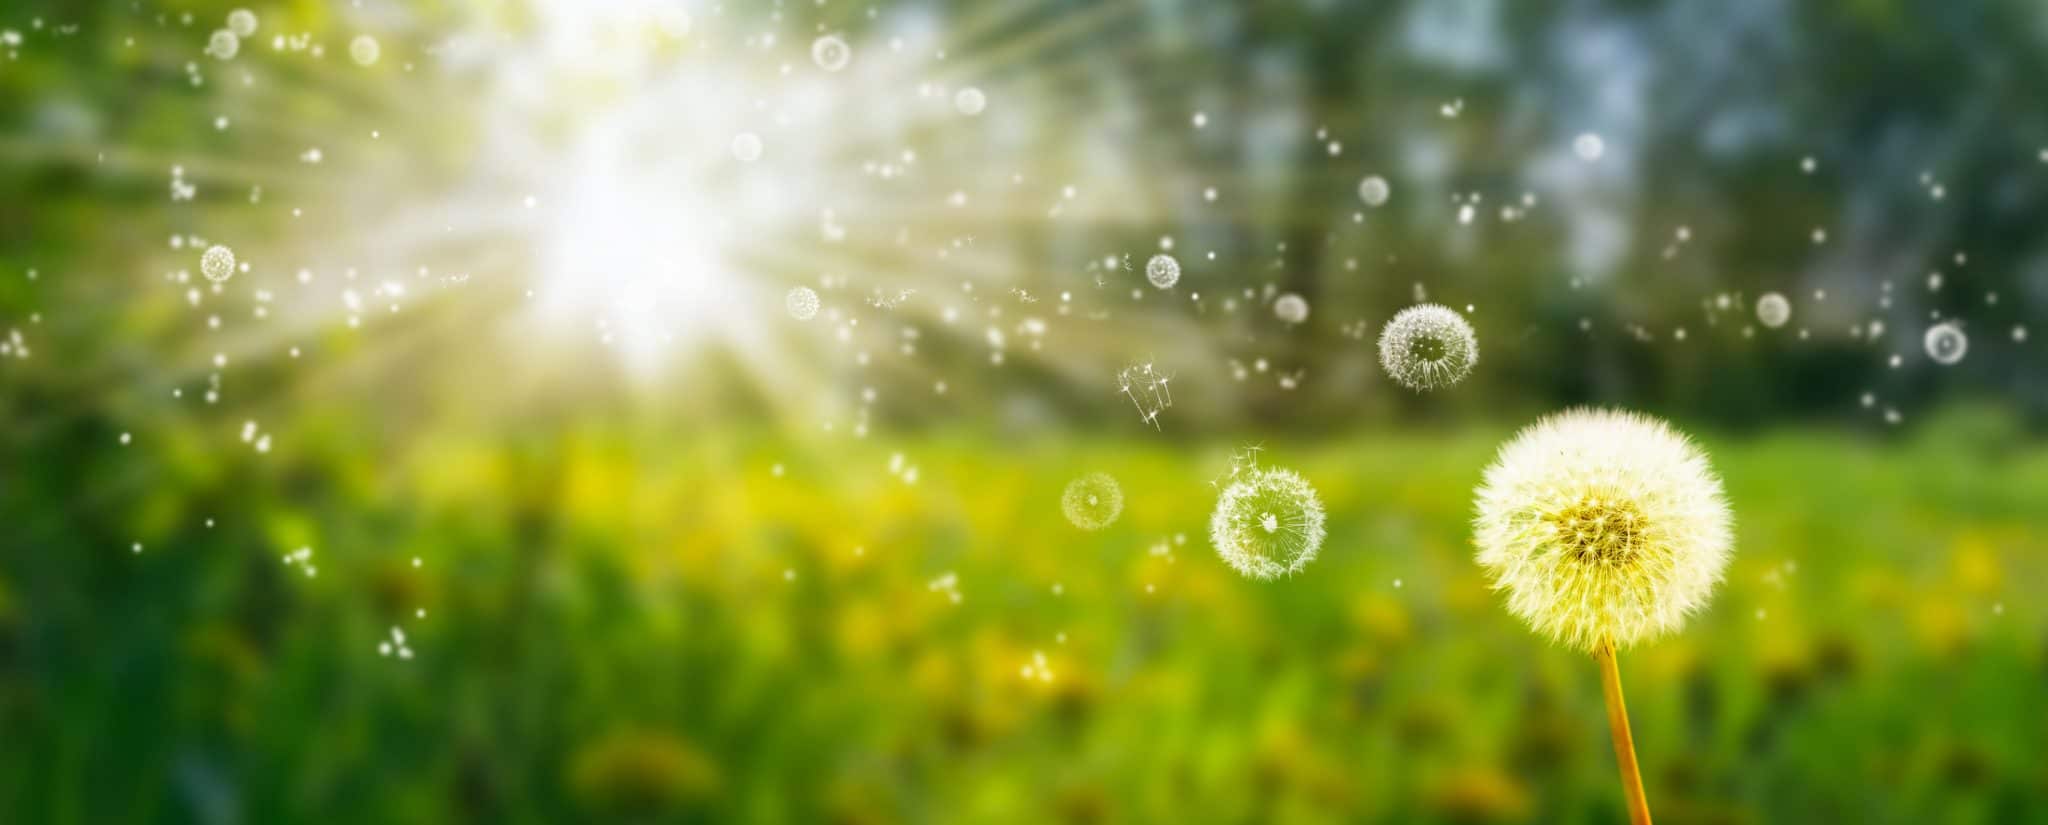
<point x="1602" y="526"/>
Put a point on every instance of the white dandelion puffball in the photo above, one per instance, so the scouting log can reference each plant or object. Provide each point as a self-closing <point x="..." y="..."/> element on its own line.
<point x="223" y="44"/>
<point x="970" y="101"/>
<point x="1589" y="146"/>
<point x="1092" y="502"/>
<point x="1374" y="191"/>
<point x="1163" y="271"/>
<point x="242" y="22"/>
<point x="1773" y="310"/>
<point x="1602" y="527"/>
<point x="1290" y="308"/>
<point x="1946" y="343"/>
<point x="364" y="50"/>
<point x="1428" y="346"/>
<point x="831" y="52"/>
<point x="217" y="263"/>
<point x="1268" y="523"/>
<point x="802" y="303"/>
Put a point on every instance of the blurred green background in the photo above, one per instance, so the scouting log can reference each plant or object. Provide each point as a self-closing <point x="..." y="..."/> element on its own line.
<point x="816" y="572"/>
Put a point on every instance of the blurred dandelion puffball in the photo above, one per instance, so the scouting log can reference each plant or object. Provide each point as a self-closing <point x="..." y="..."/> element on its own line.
<point x="242" y="22"/>
<point x="217" y="263"/>
<point x="802" y="303"/>
<point x="1602" y="526"/>
<point x="1374" y="190"/>
<point x="1773" y="310"/>
<point x="364" y="50"/>
<point x="831" y="52"/>
<point x="1291" y="308"/>
<point x="1945" y="343"/>
<point x="1267" y="523"/>
<point x="970" y="101"/>
<point x="1163" y="271"/>
<point x="1428" y="346"/>
<point x="223" y="44"/>
<point x="1093" y="501"/>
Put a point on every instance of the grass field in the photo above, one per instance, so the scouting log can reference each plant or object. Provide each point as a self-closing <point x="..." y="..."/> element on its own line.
<point x="619" y="634"/>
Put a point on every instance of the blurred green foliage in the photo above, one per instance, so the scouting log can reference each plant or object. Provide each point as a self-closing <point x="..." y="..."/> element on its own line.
<point x="622" y="633"/>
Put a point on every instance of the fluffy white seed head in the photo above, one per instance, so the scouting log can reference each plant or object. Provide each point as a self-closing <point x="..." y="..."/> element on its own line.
<point x="1093" y="501"/>
<point x="1268" y="522"/>
<point x="1428" y="346"/>
<point x="1602" y="526"/>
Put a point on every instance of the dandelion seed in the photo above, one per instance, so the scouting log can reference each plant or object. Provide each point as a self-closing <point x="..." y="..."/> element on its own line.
<point x="1148" y="389"/>
<point x="801" y="302"/>
<point x="831" y="52"/>
<point x="1267" y="523"/>
<point x="223" y="45"/>
<point x="1946" y="343"/>
<point x="217" y="263"/>
<point x="1092" y="501"/>
<point x="1163" y="271"/>
<point x="1773" y="310"/>
<point x="1290" y="308"/>
<point x="1589" y="146"/>
<point x="1374" y="190"/>
<point x="242" y="22"/>
<point x="1428" y="346"/>
<point x="970" y="101"/>
<point x="364" y="50"/>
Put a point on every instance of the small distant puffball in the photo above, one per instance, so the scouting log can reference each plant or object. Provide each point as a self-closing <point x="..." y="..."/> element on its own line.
<point x="1291" y="308"/>
<point x="1374" y="191"/>
<point x="217" y="263"/>
<point x="802" y="303"/>
<point x="1773" y="310"/>
<point x="970" y="101"/>
<point x="1163" y="271"/>
<point x="364" y="50"/>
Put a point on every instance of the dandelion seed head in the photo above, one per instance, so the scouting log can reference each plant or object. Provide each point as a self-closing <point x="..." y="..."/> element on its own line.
<point x="217" y="263"/>
<point x="1267" y="523"/>
<point x="1602" y="526"/>
<point x="1093" y="501"/>
<point x="1162" y="270"/>
<point x="1428" y="346"/>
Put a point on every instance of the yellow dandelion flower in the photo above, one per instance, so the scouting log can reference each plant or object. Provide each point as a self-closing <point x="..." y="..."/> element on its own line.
<point x="1602" y="526"/>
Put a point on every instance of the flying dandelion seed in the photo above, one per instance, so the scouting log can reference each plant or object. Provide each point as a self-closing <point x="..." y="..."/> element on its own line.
<point x="242" y="22"/>
<point x="364" y="50"/>
<point x="1602" y="527"/>
<point x="802" y="303"/>
<point x="1092" y="502"/>
<point x="1147" y="388"/>
<point x="1291" y="308"/>
<point x="1589" y="146"/>
<point x="1946" y="343"/>
<point x="970" y="101"/>
<point x="217" y="263"/>
<point x="1428" y="346"/>
<point x="1163" y="271"/>
<point x="1268" y="522"/>
<point x="223" y="45"/>
<point x="1773" y="310"/>
<point x="831" y="52"/>
<point x="1374" y="191"/>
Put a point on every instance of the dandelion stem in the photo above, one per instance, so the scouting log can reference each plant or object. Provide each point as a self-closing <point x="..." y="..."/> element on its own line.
<point x="1624" y="744"/>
